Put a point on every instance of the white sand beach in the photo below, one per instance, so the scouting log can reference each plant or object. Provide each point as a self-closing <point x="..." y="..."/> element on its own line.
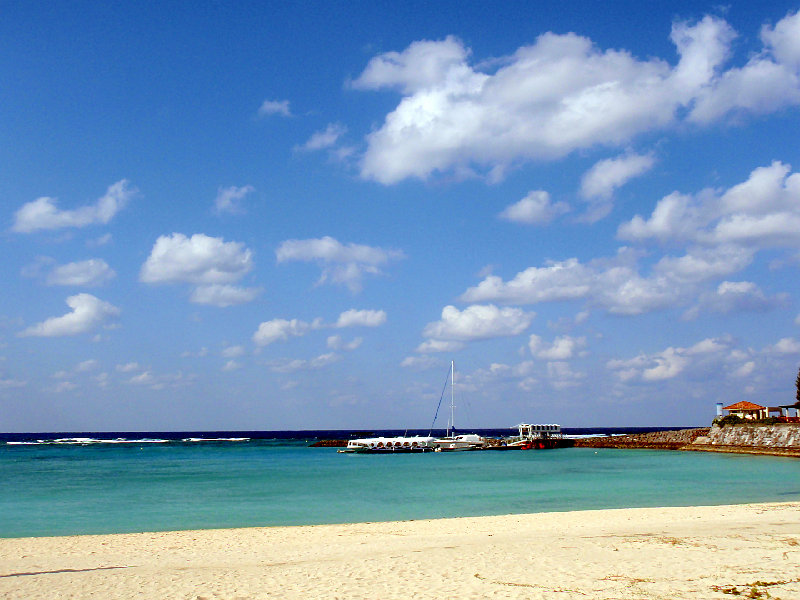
<point x="664" y="553"/>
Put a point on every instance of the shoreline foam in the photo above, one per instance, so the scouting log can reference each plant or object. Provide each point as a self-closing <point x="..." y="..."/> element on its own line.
<point x="684" y="552"/>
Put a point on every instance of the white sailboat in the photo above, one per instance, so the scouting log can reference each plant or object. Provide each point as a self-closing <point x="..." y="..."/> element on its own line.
<point x="452" y="442"/>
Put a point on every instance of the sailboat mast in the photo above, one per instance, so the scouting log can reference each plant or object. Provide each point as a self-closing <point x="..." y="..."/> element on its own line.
<point x="452" y="396"/>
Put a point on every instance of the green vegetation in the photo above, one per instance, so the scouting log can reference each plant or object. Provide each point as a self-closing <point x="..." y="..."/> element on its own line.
<point x="797" y="385"/>
<point x="736" y="420"/>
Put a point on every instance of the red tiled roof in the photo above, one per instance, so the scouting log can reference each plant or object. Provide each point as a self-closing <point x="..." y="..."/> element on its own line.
<point x="744" y="405"/>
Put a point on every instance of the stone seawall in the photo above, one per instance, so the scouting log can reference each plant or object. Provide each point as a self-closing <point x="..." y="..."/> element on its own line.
<point x="779" y="439"/>
<point x="657" y="440"/>
<point x="782" y="440"/>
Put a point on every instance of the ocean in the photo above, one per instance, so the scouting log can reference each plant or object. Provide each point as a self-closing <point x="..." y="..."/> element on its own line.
<point x="66" y="484"/>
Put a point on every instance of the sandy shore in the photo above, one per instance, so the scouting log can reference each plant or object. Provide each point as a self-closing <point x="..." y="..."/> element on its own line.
<point x="665" y="553"/>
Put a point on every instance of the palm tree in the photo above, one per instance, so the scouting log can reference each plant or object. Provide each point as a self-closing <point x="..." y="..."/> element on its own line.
<point x="797" y="385"/>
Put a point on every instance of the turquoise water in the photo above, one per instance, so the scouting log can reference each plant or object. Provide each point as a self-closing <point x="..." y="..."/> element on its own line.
<point x="114" y="488"/>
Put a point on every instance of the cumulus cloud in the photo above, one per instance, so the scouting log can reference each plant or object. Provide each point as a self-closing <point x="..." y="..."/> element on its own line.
<point x="735" y="296"/>
<point x="162" y="381"/>
<point x="562" y="348"/>
<point x="345" y="264"/>
<point x="274" y="107"/>
<point x="478" y="322"/>
<point x="8" y="384"/>
<point x="420" y="362"/>
<point x="198" y="259"/>
<point x="785" y="346"/>
<point x="275" y="330"/>
<point x="534" y="209"/>
<point x="233" y="351"/>
<point x="614" y="284"/>
<point x="326" y="138"/>
<point x="228" y="199"/>
<point x="223" y="295"/>
<point x="600" y="182"/>
<point x="722" y="231"/>
<point x="607" y="175"/>
<point x="559" y="95"/>
<point x="335" y="342"/>
<point x="319" y="362"/>
<point x="668" y="363"/>
<point x="361" y="318"/>
<point x="432" y="346"/>
<point x="561" y="375"/>
<point x="44" y="214"/>
<point x="88" y="313"/>
<point x="92" y="272"/>
<point x="763" y="211"/>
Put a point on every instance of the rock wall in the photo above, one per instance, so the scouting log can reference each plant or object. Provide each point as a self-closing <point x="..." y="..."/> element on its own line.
<point x="783" y="435"/>
<point x="661" y="440"/>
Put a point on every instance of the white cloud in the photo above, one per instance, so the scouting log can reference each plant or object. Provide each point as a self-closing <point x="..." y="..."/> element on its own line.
<point x="223" y="295"/>
<point x="7" y="384"/>
<point x="607" y="175"/>
<point x="44" y="214"/>
<point x="325" y="138"/>
<point x="144" y="378"/>
<point x="231" y="365"/>
<point x="233" y="351"/>
<point x="559" y="95"/>
<point x="198" y="259"/>
<point x="305" y="365"/>
<point x="784" y="40"/>
<point x="762" y="212"/>
<point x="103" y="240"/>
<point x="534" y="209"/>
<point x="561" y="375"/>
<point x="768" y="82"/>
<point x="769" y="197"/>
<point x="745" y="370"/>
<point x="92" y="272"/>
<point x="87" y="365"/>
<point x="335" y="342"/>
<point x="478" y="322"/>
<point x="562" y="348"/>
<point x="735" y="296"/>
<point x="128" y="367"/>
<point x="420" y="362"/>
<point x="228" y="199"/>
<point x="431" y="346"/>
<point x="274" y="107"/>
<point x="611" y="283"/>
<point x="785" y="345"/>
<point x="563" y="280"/>
<point x="361" y="318"/>
<point x="342" y="264"/>
<point x="600" y="182"/>
<point x="280" y="330"/>
<point x="88" y="313"/>
<point x="703" y="264"/>
<point x="162" y="381"/>
<point x="671" y="362"/>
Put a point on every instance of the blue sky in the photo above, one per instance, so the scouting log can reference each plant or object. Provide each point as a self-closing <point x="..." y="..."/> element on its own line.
<point x="294" y="215"/>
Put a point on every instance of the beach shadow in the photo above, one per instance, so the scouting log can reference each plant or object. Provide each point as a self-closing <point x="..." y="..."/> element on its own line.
<point x="61" y="571"/>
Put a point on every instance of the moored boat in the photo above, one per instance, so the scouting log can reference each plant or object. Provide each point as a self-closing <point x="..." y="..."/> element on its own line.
<point x="452" y="442"/>
<point x="390" y="444"/>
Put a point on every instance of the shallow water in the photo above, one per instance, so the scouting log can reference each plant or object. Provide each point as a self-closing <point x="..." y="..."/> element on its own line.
<point x="115" y="488"/>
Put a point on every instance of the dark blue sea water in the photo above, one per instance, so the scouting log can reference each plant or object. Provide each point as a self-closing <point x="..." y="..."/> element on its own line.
<point x="155" y="481"/>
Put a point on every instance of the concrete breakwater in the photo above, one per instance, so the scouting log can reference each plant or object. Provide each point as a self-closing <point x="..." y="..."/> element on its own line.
<point x="782" y="439"/>
<point x="657" y="440"/>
